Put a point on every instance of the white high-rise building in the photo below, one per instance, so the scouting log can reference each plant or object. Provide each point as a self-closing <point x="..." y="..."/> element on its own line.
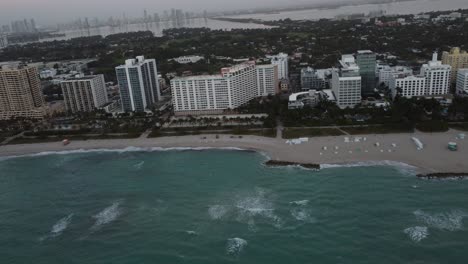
<point x="282" y="61"/>
<point x="407" y="85"/>
<point x="267" y="79"/>
<point x="462" y="81"/>
<point x="346" y="83"/>
<point x="437" y="77"/>
<point x="138" y="84"/>
<point x="233" y="87"/>
<point x="84" y="94"/>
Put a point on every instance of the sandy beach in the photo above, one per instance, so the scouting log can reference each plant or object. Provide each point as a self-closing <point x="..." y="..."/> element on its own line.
<point x="393" y="148"/>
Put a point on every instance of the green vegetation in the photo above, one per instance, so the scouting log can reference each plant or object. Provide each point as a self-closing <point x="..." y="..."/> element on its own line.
<point x="59" y="138"/>
<point x="459" y="126"/>
<point x="290" y="133"/>
<point x="432" y="126"/>
<point x="266" y="132"/>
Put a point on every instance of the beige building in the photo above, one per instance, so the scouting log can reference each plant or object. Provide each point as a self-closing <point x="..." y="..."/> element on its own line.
<point x="20" y="93"/>
<point x="456" y="58"/>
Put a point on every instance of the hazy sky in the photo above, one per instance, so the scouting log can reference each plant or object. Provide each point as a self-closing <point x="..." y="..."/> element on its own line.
<point x="52" y="11"/>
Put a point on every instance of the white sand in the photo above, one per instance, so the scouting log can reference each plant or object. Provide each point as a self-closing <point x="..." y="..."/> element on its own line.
<point x="435" y="157"/>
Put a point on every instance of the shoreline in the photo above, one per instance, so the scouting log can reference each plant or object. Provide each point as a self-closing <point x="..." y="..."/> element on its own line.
<point x="393" y="149"/>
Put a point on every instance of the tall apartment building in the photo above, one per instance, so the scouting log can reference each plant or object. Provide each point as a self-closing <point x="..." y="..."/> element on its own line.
<point x="84" y="94"/>
<point x="233" y="87"/>
<point x="462" y="81"/>
<point x="283" y="66"/>
<point x="312" y="79"/>
<point x="267" y="79"/>
<point x="366" y="60"/>
<point x="455" y="58"/>
<point x="346" y="83"/>
<point x="20" y="93"/>
<point x="437" y="77"/>
<point x="407" y="85"/>
<point x="138" y="84"/>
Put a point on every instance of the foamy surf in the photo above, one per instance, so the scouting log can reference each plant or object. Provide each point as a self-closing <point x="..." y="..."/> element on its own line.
<point x="59" y="227"/>
<point x="121" y="150"/>
<point x="235" y="245"/>
<point x="402" y="167"/>
<point x="300" y="203"/>
<point x="217" y="211"/>
<point x="417" y="233"/>
<point x="450" y="221"/>
<point x="106" y="216"/>
<point x="139" y="165"/>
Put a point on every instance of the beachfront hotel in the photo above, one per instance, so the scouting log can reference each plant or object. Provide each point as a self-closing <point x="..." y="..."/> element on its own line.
<point x="407" y="85"/>
<point x="84" y="94"/>
<point x="233" y="87"/>
<point x="437" y="77"/>
<point x="283" y="66"/>
<point x="138" y="84"/>
<point x="346" y="83"/>
<point x="20" y="93"/>
<point x="456" y="58"/>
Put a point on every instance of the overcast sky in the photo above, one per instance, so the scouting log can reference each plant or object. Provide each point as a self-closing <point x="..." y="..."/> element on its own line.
<point x="52" y="11"/>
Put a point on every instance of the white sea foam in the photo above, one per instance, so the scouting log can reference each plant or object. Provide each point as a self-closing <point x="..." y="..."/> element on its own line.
<point x="450" y="221"/>
<point x="59" y="227"/>
<point x="191" y="232"/>
<point x="122" y="150"/>
<point x="235" y="245"/>
<point x="106" y="216"/>
<point x="403" y="167"/>
<point x="139" y="165"/>
<point x="301" y="202"/>
<point x="257" y="205"/>
<point x="303" y="215"/>
<point x="417" y="233"/>
<point x="217" y="211"/>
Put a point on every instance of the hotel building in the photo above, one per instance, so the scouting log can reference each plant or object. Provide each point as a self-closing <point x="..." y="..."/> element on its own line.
<point x="233" y="87"/>
<point x="456" y="58"/>
<point x="138" y="84"/>
<point x="462" y="81"/>
<point x="84" y="94"/>
<point x="282" y="61"/>
<point x="366" y="60"/>
<point x="20" y="93"/>
<point x="346" y="83"/>
<point x="437" y="77"/>
<point x="407" y="85"/>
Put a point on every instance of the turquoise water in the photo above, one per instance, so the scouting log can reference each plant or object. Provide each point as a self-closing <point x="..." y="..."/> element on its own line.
<point x="223" y="206"/>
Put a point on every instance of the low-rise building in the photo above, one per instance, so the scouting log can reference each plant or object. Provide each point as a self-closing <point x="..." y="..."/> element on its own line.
<point x="313" y="79"/>
<point x="387" y="72"/>
<point x="310" y="98"/>
<point x="188" y="59"/>
<point x="407" y="85"/>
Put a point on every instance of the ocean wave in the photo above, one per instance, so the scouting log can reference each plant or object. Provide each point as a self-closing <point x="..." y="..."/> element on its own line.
<point x="217" y="211"/>
<point x="107" y="215"/>
<point x="417" y="233"/>
<point x="121" y="150"/>
<point x="59" y="227"/>
<point x="450" y="221"/>
<point x="301" y="202"/>
<point x="191" y="233"/>
<point x="139" y="165"/>
<point x="257" y="205"/>
<point x="403" y="167"/>
<point x="235" y="245"/>
<point x="303" y="215"/>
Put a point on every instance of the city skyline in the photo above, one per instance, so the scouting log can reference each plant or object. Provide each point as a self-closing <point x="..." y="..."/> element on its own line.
<point x="48" y="12"/>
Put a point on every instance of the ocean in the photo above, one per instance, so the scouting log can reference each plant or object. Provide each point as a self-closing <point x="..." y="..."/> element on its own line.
<point x="223" y="206"/>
